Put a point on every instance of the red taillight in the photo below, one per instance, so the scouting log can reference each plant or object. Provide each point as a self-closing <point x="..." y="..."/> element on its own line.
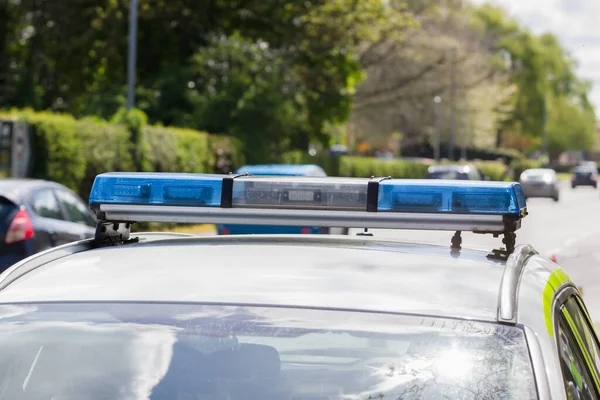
<point x="305" y="231"/>
<point x="20" y="228"/>
<point x="225" y="231"/>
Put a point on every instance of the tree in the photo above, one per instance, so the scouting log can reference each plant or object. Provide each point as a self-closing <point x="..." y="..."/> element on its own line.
<point x="72" y="57"/>
<point x="405" y="72"/>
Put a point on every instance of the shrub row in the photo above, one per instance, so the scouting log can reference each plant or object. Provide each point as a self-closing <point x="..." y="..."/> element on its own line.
<point x="73" y="152"/>
<point x="397" y="168"/>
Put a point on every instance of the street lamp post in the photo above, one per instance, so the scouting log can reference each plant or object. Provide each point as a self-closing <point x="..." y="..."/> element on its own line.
<point x="452" y="103"/>
<point x="436" y="147"/>
<point x="132" y="50"/>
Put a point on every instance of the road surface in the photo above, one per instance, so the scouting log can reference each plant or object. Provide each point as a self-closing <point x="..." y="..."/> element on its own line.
<point x="569" y="230"/>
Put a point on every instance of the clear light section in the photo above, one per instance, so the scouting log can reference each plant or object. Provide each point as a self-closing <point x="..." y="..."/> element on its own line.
<point x="157" y="188"/>
<point x="459" y="197"/>
<point x="301" y="193"/>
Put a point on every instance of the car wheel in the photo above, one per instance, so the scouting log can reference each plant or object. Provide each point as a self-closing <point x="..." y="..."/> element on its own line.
<point x="555" y="198"/>
<point x="572" y="186"/>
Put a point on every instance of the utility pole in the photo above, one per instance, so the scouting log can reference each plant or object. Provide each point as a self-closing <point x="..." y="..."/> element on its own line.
<point x="544" y="127"/>
<point x="452" y="104"/>
<point x="465" y="115"/>
<point x="436" y="112"/>
<point x="132" y="50"/>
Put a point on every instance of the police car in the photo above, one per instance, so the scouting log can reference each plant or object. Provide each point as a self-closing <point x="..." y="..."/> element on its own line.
<point x="169" y="316"/>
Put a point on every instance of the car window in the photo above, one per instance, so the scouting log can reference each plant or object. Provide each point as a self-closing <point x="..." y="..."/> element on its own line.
<point x="584" y="333"/>
<point x="191" y="351"/>
<point x="45" y="205"/>
<point x="450" y="174"/>
<point x="578" y="380"/>
<point x="75" y="208"/>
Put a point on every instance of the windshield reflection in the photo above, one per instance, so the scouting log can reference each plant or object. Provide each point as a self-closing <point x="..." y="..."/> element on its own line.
<point x="170" y="351"/>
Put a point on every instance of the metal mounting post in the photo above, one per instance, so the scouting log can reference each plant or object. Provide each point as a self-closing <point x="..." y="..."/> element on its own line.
<point x="112" y="233"/>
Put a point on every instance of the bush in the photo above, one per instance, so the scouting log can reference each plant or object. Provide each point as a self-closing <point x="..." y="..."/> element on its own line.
<point x="178" y="150"/>
<point x="355" y="166"/>
<point x="495" y="170"/>
<point x="135" y="121"/>
<point x="106" y="148"/>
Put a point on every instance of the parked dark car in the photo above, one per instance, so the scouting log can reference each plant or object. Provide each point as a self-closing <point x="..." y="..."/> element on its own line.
<point x="585" y="175"/>
<point x="36" y="215"/>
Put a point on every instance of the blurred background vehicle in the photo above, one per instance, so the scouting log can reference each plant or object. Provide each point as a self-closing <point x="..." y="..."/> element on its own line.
<point x="540" y="182"/>
<point x="36" y="215"/>
<point x="279" y="170"/>
<point x="585" y="175"/>
<point x="458" y="172"/>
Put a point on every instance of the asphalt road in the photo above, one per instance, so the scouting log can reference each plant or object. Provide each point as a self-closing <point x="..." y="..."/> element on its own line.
<point x="568" y="229"/>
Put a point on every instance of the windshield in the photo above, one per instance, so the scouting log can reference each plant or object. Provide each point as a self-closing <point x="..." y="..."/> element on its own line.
<point x="538" y="173"/>
<point x="170" y="351"/>
<point x="583" y="171"/>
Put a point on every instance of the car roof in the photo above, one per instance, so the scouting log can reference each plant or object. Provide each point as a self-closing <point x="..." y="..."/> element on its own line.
<point x="283" y="169"/>
<point x="540" y="170"/>
<point x="15" y="189"/>
<point x="451" y="167"/>
<point x="338" y="272"/>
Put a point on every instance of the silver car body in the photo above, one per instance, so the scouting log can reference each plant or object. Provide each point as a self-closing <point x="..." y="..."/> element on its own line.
<point x="333" y="272"/>
<point x="539" y="182"/>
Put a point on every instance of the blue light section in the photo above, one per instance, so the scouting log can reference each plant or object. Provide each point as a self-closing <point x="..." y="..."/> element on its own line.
<point x="157" y="189"/>
<point x="455" y="197"/>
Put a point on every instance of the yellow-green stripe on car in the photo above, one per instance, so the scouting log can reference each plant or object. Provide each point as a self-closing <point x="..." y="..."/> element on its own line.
<point x="555" y="280"/>
<point x="582" y="347"/>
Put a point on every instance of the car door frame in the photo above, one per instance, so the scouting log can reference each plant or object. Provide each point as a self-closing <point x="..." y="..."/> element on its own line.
<point x="560" y="300"/>
<point x="65" y="211"/>
<point x="83" y="227"/>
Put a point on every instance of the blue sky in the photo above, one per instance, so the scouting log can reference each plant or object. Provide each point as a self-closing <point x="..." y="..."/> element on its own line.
<point x="575" y="22"/>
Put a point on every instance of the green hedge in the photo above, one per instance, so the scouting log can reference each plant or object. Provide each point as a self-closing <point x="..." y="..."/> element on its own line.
<point x="366" y="167"/>
<point x="73" y="152"/>
<point x="330" y="164"/>
<point x="495" y="170"/>
<point x="369" y="166"/>
<point x="357" y="166"/>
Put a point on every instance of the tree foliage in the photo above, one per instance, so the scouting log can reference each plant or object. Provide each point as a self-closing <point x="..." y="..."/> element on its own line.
<point x="279" y="74"/>
<point x="497" y="82"/>
<point x="272" y="73"/>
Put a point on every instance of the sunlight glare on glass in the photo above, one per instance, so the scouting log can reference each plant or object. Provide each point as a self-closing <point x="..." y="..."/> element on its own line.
<point x="454" y="365"/>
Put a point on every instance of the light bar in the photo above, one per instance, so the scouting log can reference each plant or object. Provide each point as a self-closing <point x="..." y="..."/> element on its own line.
<point x="456" y="197"/>
<point x="157" y="188"/>
<point x="493" y="207"/>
